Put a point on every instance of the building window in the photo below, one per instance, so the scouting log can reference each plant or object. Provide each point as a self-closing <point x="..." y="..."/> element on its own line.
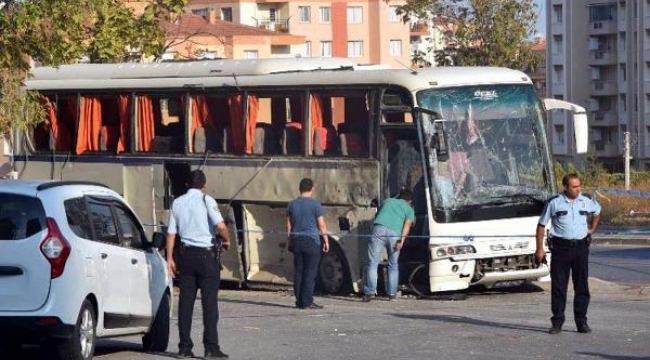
<point x="602" y="12"/>
<point x="326" y="48"/>
<point x="355" y="14"/>
<point x="325" y="14"/>
<point x="250" y="54"/>
<point x="355" y="48"/>
<point x="205" y="12"/>
<point x="557" y="14"/>
<point x="559" y="134"/>
<point x="308" y="48"/>
<point x="393" y="15"/>
<point x="226" y="14"/>
<point x="557" y="45"/>
<point x="304" y="14"/>
<point x="396" y="48"/>
<point x="273" y="15"/>
<point x="623" y="103"/>
<point x="558" y="74"/>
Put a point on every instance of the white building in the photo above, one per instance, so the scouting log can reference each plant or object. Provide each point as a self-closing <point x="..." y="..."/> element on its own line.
<point x="598" y="56"/>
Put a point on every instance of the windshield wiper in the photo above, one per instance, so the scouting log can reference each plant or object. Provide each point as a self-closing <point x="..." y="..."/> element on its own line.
<point x="520" y="197"/>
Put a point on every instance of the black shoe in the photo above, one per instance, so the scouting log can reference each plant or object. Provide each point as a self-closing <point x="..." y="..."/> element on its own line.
<point x="367" y="297"/>
<point x="185" y="354"/>
<point x="215" y="355"/>
<point x="313" y="306"/>
<point x="555" y="329"/>
<point x="584" y="329"/>
<point x="392" y="297"/>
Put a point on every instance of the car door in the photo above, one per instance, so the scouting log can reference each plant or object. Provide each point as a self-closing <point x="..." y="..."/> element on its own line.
<point x="143" y="287"/>
<point x="114" y="263"/>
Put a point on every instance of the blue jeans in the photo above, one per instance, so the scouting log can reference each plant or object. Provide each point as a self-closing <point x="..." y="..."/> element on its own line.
<point x="306" y="257"/>
<point x="382" y="237"/>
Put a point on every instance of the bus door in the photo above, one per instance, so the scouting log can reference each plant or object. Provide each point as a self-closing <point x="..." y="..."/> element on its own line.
<point x="402" y="168"/>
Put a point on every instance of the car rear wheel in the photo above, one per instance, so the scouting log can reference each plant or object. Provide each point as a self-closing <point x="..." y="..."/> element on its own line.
<point x="81" y="345"/>
<point x="157" y="339"/>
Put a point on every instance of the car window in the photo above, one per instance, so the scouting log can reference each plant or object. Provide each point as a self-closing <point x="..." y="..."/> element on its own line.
<point x="20" y="216"/>
<point x="103" y="222"/>
<point x="78" y="219"/>
<point x="132" y="235"/>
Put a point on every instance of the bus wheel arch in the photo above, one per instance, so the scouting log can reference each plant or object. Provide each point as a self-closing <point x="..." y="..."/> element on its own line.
<point x="334" y="276"/>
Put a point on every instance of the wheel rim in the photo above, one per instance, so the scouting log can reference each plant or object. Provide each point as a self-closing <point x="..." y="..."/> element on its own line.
<point x="86" y="334"/>
<point x="332" y="272"/>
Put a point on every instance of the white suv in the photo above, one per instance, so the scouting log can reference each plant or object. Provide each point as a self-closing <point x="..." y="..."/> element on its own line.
<point x="75" y="265"/>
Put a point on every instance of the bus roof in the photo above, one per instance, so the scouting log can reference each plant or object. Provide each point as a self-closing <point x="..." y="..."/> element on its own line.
<point x="260" y="73"/>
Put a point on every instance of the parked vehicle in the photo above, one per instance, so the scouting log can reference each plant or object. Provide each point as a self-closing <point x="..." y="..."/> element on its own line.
<point x="75" y="265"/>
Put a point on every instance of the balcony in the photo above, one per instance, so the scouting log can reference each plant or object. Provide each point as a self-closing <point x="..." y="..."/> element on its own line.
<point x="557" y="59"/>
<point x="419" y="28"/>
<point x="606" y="150"/>
<point x="602" y="27"/>
<point x="646" y="86"/>
<point x="604" y="88"/>
<point x="277" y="25"/>
<point x="598" y="57"/>
<point x="605" y="118"/>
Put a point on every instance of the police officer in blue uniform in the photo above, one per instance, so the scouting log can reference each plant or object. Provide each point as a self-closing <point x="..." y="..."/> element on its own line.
<point x="194" y="217"/>
<point x="569" y="243"/>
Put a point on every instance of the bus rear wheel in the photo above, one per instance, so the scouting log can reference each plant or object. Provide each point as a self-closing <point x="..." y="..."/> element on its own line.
<point x="334" y="272"/>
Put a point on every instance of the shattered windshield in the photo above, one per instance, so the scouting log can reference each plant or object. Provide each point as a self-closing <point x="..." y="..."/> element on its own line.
<point x="496" y="152"/>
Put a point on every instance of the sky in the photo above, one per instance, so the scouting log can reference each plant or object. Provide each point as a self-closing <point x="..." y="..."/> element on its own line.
<point x="541" y="19"/>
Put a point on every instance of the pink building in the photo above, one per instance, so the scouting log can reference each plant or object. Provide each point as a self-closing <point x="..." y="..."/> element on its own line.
<point x="367" y="30"/>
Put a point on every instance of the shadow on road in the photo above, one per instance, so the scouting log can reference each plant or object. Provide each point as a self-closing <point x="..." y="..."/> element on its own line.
<point x="612" y="357"/>
<point x="467" y="320"/>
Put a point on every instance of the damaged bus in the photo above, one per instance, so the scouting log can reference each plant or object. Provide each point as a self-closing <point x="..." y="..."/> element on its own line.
<point x="470" y="143"/>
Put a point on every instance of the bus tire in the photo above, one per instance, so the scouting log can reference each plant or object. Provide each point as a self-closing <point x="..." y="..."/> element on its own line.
<point x="81" y="345"/>
<point x="157" y="338"/>
<point x="334" y="272"/>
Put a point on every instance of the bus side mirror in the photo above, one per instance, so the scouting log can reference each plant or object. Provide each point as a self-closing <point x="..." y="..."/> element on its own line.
<point x="440" y="143"/>
<point x="581" y="129"/>
<point x="159" y="240"/>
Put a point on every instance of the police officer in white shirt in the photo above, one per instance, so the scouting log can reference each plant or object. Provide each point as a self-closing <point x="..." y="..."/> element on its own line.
<point x="569" y="240"/>
<point x="194" y="217"/>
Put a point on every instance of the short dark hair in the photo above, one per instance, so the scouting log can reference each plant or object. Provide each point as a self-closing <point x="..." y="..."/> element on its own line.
<point x="406" y="194"/>
<point x="568" y="177"/>
<point x="306" y="184"/>
<point x="196" y="179"/>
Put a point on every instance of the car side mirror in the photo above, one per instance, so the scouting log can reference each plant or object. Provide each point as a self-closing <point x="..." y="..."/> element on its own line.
<point x="159" y="240"/>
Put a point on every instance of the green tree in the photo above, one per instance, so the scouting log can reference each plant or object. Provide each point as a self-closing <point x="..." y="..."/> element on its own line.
<point x="55" y="32"/>
<point x="489" y="33"/>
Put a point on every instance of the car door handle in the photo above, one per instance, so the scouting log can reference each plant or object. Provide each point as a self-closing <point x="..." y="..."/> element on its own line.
<point x="134" y="261"/>
<point x="104" y="255"/>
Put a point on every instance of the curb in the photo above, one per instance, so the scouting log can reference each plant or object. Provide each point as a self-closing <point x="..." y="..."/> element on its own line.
<point x="637" y="240"/>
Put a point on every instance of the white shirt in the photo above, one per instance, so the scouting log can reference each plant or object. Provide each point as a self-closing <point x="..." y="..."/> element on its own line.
<point x="193" y="216"/>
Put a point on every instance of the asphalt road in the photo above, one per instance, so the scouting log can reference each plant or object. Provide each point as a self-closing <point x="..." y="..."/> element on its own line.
<point x="628" y="265"/>
<point x="501" y="324"/>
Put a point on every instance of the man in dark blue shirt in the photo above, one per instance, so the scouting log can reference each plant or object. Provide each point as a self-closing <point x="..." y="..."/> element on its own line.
<point x="305" y="225"/>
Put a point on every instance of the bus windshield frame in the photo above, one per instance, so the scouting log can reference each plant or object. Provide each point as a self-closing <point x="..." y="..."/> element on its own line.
<point x="488" y="155"/>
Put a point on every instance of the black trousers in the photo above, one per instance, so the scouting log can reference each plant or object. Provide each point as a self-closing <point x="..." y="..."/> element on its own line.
<point x="569" y="258"/>
<point x="198" y="269"/>
<point x="306" y="257"/>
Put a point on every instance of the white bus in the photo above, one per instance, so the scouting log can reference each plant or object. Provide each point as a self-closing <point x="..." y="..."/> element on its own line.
<point x="470" y="142"/>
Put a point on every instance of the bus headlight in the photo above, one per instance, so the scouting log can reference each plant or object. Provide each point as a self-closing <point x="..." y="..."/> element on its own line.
<point x="455" y="250"/>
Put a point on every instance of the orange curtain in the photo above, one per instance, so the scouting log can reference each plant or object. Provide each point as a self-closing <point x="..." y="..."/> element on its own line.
<point x="251" y="122"/>
<point x="236" y="123"/>
<point x="124" y="115"/>
<point x="202" y="114"/>
<point x="90" y="124"/>
<point x="316" y="112"/>
<point x="146" y="130"/>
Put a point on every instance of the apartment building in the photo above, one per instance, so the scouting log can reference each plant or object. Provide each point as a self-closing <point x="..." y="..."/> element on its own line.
<point x="599" y="57"/>
<point x="367" y="30"/>
<point x="431" y="36"/>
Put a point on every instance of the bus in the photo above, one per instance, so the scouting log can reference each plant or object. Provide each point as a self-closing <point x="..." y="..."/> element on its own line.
<point x="469" y="142"/>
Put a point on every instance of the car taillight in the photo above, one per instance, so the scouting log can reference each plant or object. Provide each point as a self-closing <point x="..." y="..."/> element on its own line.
<point x="55" y="248"/>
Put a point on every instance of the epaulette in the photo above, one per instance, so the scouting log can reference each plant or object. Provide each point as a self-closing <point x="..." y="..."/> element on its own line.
<point x="587" y="195"/>
<point x="553" y="198"/>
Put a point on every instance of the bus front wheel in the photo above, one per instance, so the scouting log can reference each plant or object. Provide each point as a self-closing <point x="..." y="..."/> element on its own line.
<point x="334" y="272"/>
